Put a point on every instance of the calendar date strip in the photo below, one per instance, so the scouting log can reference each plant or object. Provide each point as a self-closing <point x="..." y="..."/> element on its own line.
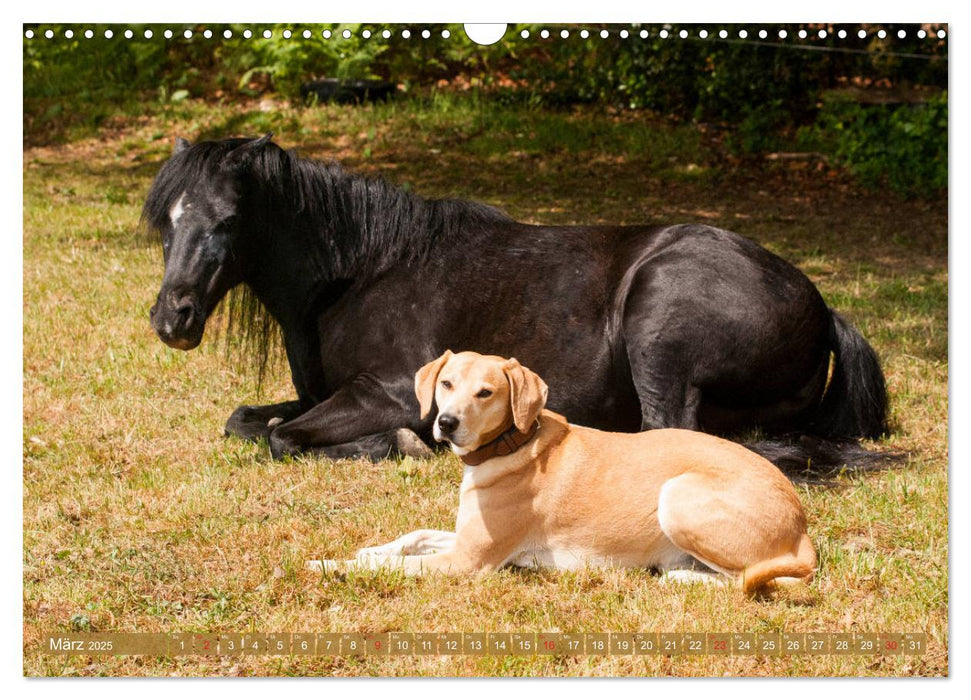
<point x="487" y="644"/>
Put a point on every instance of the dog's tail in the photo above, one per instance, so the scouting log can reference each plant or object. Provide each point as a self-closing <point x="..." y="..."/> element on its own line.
<point x="800" y="566"/>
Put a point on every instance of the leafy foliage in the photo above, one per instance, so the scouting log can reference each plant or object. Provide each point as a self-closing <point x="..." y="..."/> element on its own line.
<point x="757" y="90"/>
<point x="903" y="147"/>
<point x="288" y="63"/>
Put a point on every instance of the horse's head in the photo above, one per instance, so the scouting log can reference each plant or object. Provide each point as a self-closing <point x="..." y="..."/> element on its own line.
<point x="194" y="204"/>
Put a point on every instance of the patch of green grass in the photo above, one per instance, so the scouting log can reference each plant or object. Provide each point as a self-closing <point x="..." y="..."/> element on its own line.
<point x="139" y="515"/>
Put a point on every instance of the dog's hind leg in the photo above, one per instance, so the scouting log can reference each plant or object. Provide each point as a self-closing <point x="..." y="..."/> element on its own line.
<point x="722" y="524"/>
<point x="787" y="569"/>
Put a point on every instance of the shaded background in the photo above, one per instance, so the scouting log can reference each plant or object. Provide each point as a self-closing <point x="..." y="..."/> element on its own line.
<point x="875" y="106"/>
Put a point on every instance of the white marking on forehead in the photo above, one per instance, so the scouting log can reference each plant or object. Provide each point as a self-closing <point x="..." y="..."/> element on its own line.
<point x="176" y="212"/>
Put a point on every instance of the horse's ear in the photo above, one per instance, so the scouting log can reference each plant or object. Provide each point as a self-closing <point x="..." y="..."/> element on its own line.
<point x="180" y="145"/>
<point x="527" y="394"/>
<point x="425" y="380"/>
<point x="241" y="155"/>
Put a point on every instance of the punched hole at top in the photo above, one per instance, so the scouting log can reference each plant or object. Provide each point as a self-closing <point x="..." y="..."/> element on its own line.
<point x="485" y="34"/>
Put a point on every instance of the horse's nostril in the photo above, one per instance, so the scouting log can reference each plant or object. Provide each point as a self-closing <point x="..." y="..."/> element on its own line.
<point x="447" y="424"/>
<point x="184" y="311"/>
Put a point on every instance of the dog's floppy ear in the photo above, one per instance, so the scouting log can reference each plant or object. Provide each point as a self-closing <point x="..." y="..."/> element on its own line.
<point x="180" y="145"/>
<point x="527" y="393"/>
<point x="425" y="380"/>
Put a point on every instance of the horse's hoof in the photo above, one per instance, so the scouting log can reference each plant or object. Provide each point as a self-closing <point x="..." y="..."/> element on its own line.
<point x="236" y="424"/>
<point x="245" y="422"/>
<point x="410" y="445"/>
<point x="280" y="446"/>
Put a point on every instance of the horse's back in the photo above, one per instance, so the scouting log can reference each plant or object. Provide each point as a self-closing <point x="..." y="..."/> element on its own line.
<point x="572" y="303"/>
<point x="699" y="304"/>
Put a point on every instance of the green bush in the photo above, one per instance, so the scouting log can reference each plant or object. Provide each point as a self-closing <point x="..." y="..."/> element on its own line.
<point x="903" y="147"/>
<point x="702" y="79"/>
<point x="288" y="63"/>
<point x="712" y="79"/>
<point x="116" y="69"/>
<point x="755" y="92"/>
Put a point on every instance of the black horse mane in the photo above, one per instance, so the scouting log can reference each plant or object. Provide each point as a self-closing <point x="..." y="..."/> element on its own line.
<point x="356" y="226"/>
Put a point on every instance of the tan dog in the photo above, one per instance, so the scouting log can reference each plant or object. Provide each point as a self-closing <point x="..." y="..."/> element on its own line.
<point x="538" y="491"/>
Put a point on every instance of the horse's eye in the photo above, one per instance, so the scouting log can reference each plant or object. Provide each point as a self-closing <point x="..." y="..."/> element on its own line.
<point x="484" y="394"/>
<point x="446" y="384"/>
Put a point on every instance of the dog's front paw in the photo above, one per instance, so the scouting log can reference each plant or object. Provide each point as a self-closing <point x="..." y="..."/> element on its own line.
<point x="323" y="565"/>
<point x="382" y="552"/>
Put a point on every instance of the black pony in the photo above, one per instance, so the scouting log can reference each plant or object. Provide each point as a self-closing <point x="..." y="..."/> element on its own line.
<point x="632" y="327"/>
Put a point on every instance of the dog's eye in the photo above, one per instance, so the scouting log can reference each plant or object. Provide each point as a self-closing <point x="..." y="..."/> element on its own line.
<point x="446" y="384"/>
<point x="484" y="394"/>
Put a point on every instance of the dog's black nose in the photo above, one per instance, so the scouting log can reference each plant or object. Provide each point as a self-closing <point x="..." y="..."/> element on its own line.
<point x="447" y="424"/>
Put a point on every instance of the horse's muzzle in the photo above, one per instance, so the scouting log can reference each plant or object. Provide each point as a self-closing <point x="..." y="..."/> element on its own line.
<point x="178" y="322"/>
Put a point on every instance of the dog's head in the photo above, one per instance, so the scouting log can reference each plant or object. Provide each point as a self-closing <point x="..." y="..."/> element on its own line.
<point x="479" y="397"/>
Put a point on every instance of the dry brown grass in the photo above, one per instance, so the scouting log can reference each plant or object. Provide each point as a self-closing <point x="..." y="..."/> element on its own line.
<point x="139" y="516"/>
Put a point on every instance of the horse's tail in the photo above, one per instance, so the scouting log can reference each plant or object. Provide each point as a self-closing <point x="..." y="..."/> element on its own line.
<point x="813" y="459"/>
<point x="854" y="406"/>
<point x="855" y="402"/>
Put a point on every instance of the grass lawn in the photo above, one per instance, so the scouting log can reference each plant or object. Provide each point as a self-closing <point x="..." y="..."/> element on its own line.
<point x="140" y="516"/>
